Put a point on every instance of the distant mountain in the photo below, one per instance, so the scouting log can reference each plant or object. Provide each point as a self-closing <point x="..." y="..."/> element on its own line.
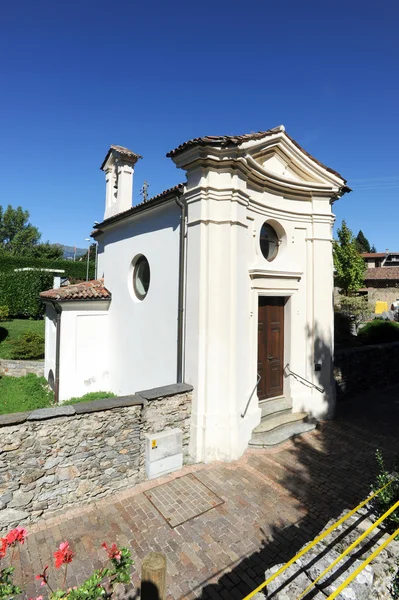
<point x="69" y="252"/>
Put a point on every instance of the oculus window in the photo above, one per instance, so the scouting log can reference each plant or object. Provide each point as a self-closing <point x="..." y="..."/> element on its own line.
<point x="269" y="242"/>
<point x="141" y="277"/>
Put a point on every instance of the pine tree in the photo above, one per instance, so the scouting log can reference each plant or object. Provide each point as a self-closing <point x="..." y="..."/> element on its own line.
<point x="362" y="243"/>
<point x="349" y="265"/>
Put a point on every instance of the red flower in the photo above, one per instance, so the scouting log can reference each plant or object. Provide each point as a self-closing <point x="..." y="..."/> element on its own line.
<point x="43" y="576"/>
<point x="3" y="547"/>
<point x="63" y="555"/>
<point x="113" y="552"/>
<point x="16" y="535"/>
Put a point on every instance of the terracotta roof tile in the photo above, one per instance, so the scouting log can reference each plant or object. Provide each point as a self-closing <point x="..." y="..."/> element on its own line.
<point x="122" y="150"/>
<point x="224" y="140"/>
<point x="86" y="290"/>
<point x="235" y="140"/>
<point x="379" y="273"/>
<point x="374" y="254"/>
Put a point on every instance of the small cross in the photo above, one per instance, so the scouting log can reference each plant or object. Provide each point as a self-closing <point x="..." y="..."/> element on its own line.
<point x="144" y="191"/>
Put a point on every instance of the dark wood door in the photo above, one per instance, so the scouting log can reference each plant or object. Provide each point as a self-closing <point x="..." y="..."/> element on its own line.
<point x="270" y="347"/>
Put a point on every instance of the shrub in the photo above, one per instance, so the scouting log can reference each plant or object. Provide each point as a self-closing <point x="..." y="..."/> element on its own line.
<point x="4" y="313"/>
<point x="20" y="292"/>
<point x="354" y="307"/>
<point x="379" y="332"/>
<point x="28" y="346"/>
<point x="389" y="496"/>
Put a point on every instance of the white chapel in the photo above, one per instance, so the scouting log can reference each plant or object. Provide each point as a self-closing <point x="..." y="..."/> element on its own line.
<point x="224" y="282"/>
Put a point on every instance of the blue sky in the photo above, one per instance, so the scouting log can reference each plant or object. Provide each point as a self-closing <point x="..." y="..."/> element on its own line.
<point x="79" y="76"/>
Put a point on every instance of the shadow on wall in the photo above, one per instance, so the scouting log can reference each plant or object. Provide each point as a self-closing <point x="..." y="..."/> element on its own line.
<point x="327" y="473"/>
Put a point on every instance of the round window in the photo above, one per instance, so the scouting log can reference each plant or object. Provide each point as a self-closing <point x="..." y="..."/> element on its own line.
<point x="268" y="241"/>
<point x="141" y="277"/>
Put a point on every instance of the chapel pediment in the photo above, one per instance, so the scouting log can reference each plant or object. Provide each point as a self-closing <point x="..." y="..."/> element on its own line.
<point x="269" y="158"/>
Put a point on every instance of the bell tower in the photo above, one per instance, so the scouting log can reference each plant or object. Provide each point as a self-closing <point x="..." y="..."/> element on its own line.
<point x="118" y="167"/>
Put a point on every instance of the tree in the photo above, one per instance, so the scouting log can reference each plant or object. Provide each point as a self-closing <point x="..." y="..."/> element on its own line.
<point x="362" y="243"/>
<point x="355" y="307"/>
<point x="48" y="251"/>
<point x="17" y="235"/>
<point x="349" y="265"/>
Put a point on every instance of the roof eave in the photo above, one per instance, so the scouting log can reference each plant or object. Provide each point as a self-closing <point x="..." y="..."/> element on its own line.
<point x="134" y="210"/>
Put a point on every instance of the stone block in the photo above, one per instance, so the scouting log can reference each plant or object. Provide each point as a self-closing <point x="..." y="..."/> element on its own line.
<point x="50" y="413"/>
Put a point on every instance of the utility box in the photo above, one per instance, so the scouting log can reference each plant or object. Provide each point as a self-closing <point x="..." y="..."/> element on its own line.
<point x="163" y="452"/>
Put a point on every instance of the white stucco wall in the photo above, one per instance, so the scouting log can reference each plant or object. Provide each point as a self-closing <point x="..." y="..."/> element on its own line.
<point x="84" y="354"/>
<point x="226" y="274"/>
<point x="142" y="333"/>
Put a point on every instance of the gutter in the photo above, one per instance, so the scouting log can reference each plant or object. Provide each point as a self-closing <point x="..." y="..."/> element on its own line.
<point x="58" y="311"/>
<point x="182" y="281"/>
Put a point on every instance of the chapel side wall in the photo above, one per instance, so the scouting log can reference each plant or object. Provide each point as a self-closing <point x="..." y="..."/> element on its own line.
<point x="84" y="351"/>
<point x="143" y="334"/>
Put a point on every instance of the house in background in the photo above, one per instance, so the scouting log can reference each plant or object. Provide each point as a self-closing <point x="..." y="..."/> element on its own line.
<point x="224" y="282"/>
<point x="381" y="280"/>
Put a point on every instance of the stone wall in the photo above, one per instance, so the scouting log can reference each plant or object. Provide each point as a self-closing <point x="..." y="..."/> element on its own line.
<point x="357" y="370"/>
<point x="383" y="293"/>
<point x="18" y="368"/>
<point x="58" y="457"/>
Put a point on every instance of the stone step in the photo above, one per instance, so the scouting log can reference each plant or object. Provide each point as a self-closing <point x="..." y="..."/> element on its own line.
<point x="275" y="405"/>
<point x="273" y="437"/>
<point x="279" y="420"/>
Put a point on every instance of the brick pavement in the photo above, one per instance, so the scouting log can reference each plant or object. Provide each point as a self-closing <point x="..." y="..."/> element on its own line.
<point x="274" y="501"/>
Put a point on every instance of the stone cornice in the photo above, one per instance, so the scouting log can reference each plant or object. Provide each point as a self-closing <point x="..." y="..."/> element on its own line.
<point x="321" y="182"/>
<point x="262" y="273"/>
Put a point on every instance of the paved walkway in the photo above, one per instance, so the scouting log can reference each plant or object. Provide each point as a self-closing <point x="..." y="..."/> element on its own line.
<point x="255" y="512"/>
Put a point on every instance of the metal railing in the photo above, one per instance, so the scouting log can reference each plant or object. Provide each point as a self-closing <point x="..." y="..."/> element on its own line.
<point x="301" y="379"/>
<point x="324" y="534"/>
<point x="250" y="398"/>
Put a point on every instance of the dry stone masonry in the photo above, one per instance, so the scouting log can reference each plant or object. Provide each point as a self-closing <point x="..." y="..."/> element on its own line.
<point x="373" y="583"/>
<point x="18" y="368"/>
<point x="358" y="370"/>
<point x="58" y="457"/>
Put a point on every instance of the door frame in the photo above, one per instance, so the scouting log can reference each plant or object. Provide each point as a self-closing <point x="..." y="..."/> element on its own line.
<point x="281" y="293"/>
<point x="282" y="304"/>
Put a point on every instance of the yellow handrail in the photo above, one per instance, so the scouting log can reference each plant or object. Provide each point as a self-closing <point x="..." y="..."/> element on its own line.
<point x="349" y="549"/>
<point x="314" y="542"/>
<point x="362" y="566"/>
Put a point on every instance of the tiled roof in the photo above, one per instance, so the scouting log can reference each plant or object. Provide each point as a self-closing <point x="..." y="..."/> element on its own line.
<point x="235" y="140"/>
<point x="224" y="140"/>
<point x="122" y="150"/>
<point x="86" y="290"/>
<point x="374" y="254"/>
<point x="177" y="190"/>
<point x="379" y="273"/>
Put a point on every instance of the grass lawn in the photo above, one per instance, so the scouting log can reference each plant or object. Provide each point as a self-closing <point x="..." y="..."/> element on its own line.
<point x="20" y="394"/>
<point x="11" y="330"/>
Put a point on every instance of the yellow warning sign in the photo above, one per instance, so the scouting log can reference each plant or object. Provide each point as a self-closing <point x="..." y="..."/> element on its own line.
<point x="153" y="444"/>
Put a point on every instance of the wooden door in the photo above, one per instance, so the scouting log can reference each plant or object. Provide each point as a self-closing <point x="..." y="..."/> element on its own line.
<point x="270" y="347"/>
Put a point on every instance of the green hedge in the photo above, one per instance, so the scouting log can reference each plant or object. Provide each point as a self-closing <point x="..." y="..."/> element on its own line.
<point x="20" y="292"/>
<point x="75" y="270"/>
<point x="379" y="332"/>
